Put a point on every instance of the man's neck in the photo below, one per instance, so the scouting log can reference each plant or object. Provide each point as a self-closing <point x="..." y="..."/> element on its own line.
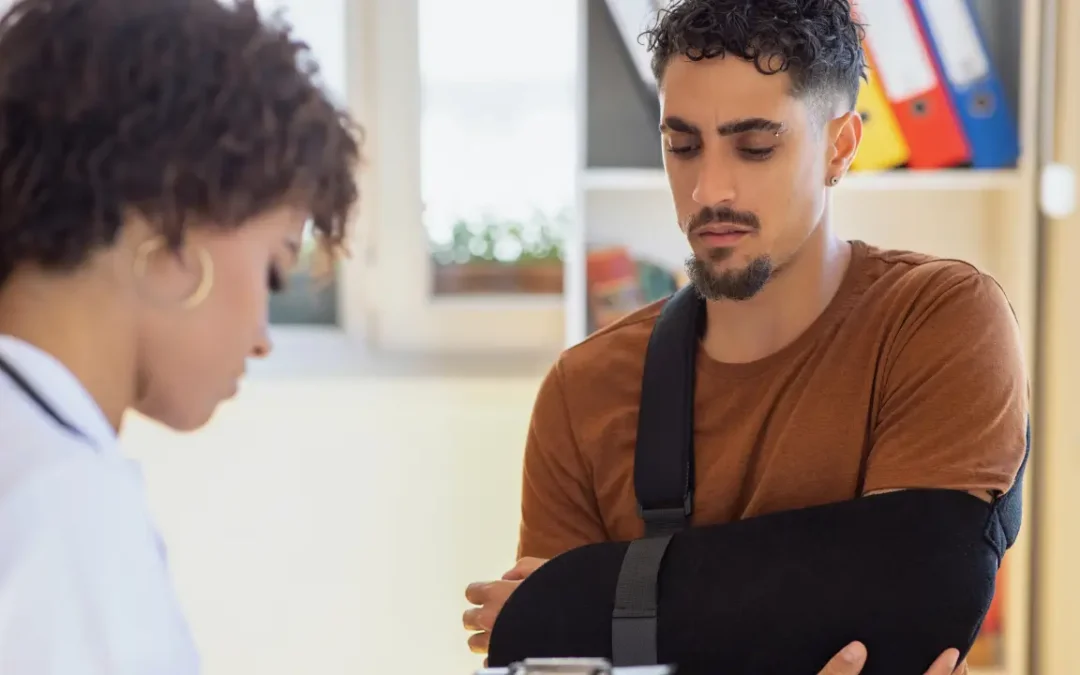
<point x="79" y="328"/>
<point x="741" y="332"/>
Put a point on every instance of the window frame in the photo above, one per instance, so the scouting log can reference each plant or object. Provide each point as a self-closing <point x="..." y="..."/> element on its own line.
<point x="385" y="297"/>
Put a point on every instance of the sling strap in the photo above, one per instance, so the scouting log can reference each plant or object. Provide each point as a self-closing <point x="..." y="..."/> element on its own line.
<point x="663" y="472"/>
<point x="664" y="477"/>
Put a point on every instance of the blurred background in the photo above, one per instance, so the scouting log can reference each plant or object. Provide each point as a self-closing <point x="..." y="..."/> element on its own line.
<point x="513" y="201"/>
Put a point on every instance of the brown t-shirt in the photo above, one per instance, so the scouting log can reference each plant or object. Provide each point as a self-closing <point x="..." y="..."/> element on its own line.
<point x="912" y="377"/>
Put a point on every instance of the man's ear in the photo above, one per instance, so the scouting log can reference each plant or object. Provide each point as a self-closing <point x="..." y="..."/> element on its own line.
<point x="844" y="134"/>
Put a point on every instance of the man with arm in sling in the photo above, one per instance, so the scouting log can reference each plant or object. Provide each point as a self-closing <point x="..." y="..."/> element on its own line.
<point x="858" y="414"/>
<point x="961" y="538"/>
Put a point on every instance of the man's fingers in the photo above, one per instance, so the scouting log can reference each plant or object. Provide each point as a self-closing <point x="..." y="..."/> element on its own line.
<point x="478" y="619"/>
<point x="477" y="593"/>
<point x="945" y="664"/>
<point x="484" y="592"/>
<point x="490" y="592"/>
<point x="489" y="596"/>
<point x="523" y="569"/>
<point x="849" y="661"/>
<point x="478" y="643"/>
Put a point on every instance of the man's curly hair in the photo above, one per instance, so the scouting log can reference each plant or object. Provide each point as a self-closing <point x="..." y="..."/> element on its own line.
<point x="817" y="42"/>
<point x="183" y="111"/>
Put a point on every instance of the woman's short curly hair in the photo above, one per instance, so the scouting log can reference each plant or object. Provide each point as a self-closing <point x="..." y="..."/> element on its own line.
<point x="183" y="111"/>
<point x="817" y="42"/>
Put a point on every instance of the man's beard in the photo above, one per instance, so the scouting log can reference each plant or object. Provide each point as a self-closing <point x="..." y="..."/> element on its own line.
<point x="737" y="284"/>
<point x="731" y="284"/>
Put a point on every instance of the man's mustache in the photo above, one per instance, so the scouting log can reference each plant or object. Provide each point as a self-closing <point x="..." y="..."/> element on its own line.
<point x="721" y="214"/>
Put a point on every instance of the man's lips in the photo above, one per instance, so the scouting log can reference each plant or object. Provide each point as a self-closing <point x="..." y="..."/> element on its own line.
<point x="722" y="235"/>
<point x="722" y="229"/>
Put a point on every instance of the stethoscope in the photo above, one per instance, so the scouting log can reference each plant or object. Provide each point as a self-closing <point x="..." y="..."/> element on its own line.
<point x="21" y="382"/>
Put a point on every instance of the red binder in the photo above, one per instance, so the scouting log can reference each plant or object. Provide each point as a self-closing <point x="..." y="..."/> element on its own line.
<point x="914" y="85"/>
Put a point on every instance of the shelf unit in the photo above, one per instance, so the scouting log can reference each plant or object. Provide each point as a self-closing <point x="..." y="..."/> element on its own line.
<point x="988" y="218"/>
<point x="949" y="180"/>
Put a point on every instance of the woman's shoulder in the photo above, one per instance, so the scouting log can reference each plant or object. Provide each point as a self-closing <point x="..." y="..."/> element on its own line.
<point x="78" y="547"/>
<point x="56" y="486"/>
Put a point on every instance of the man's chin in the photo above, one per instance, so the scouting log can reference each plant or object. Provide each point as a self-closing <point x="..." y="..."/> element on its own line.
<point x="721" y="268"/>
<point x="727" y="280"/>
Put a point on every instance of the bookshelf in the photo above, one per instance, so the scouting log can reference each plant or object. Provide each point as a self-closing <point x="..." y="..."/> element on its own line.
<point x="987" y="217"/>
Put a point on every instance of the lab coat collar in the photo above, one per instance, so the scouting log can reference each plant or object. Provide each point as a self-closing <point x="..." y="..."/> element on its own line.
<point x="54" y="383"/>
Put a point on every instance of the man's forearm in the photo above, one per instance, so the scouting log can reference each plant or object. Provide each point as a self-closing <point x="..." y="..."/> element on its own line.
<point x="908" y="573"/>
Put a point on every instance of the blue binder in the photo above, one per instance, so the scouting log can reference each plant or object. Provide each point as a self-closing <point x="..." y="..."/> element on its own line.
<point x="959" y="47"/>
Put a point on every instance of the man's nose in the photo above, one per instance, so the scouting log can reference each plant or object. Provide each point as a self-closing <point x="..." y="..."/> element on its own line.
<point x="715" y="182"/>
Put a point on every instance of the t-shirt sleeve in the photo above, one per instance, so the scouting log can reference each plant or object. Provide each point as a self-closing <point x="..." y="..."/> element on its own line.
<point x="558" y="506"/>
<point x="84" y="589"/>
<point x="954" y="407"/>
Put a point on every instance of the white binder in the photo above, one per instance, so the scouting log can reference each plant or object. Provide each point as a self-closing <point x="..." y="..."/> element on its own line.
<point x="632" y="17"/>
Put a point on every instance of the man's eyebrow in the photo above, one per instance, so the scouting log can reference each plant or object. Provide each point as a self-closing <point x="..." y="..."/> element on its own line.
<point x="749" y="124"/>
<point x="679" y="125"/>
<point x="732" y="128"/>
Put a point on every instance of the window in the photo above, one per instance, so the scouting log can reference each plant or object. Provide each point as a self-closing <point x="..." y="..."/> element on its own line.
<point x="498" y="149"/>
<point x="310" y="294"/>
<point x="440" y="89"/>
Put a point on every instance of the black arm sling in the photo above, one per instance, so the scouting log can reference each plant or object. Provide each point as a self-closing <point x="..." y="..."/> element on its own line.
<point x="664" y="476"/>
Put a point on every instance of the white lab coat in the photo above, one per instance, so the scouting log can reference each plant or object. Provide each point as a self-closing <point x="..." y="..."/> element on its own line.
<point x="84" y="587"/>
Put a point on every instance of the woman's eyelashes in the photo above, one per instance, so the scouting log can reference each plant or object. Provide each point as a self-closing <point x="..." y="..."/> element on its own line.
<point x="275" y="281"/>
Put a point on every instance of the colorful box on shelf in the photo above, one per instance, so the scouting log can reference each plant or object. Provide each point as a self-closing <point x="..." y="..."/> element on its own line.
<point x="619" y="284"/>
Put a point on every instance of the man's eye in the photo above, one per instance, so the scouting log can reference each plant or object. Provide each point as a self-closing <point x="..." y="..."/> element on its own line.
<point x="682" y="149"/>
<point x="757" y="153"/>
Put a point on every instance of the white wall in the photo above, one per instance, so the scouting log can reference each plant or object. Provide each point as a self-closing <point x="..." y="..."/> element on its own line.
<point x="330" y="526"/>
<point x="320" y="23"/>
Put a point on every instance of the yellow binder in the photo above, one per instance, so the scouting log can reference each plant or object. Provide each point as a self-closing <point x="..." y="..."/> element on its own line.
<point x="883" y="145"/>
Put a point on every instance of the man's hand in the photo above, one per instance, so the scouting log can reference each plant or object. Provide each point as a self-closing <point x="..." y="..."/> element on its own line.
<point x="851" y="659"/>
<point x="489" y="596"/>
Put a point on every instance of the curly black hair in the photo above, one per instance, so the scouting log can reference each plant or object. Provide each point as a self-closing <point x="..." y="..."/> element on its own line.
<point x="183" y="111"/>
<point x="817" y="42"/>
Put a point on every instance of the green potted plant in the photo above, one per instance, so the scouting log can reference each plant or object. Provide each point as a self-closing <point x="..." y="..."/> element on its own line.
<point x="501" y="255"/>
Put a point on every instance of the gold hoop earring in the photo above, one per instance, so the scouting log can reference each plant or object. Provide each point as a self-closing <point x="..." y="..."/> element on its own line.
<point x="206" y="271"/>
<point x="206" y="281"/>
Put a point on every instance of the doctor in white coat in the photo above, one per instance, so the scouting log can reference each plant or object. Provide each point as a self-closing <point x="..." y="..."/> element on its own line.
<point x="158" y="164"/>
